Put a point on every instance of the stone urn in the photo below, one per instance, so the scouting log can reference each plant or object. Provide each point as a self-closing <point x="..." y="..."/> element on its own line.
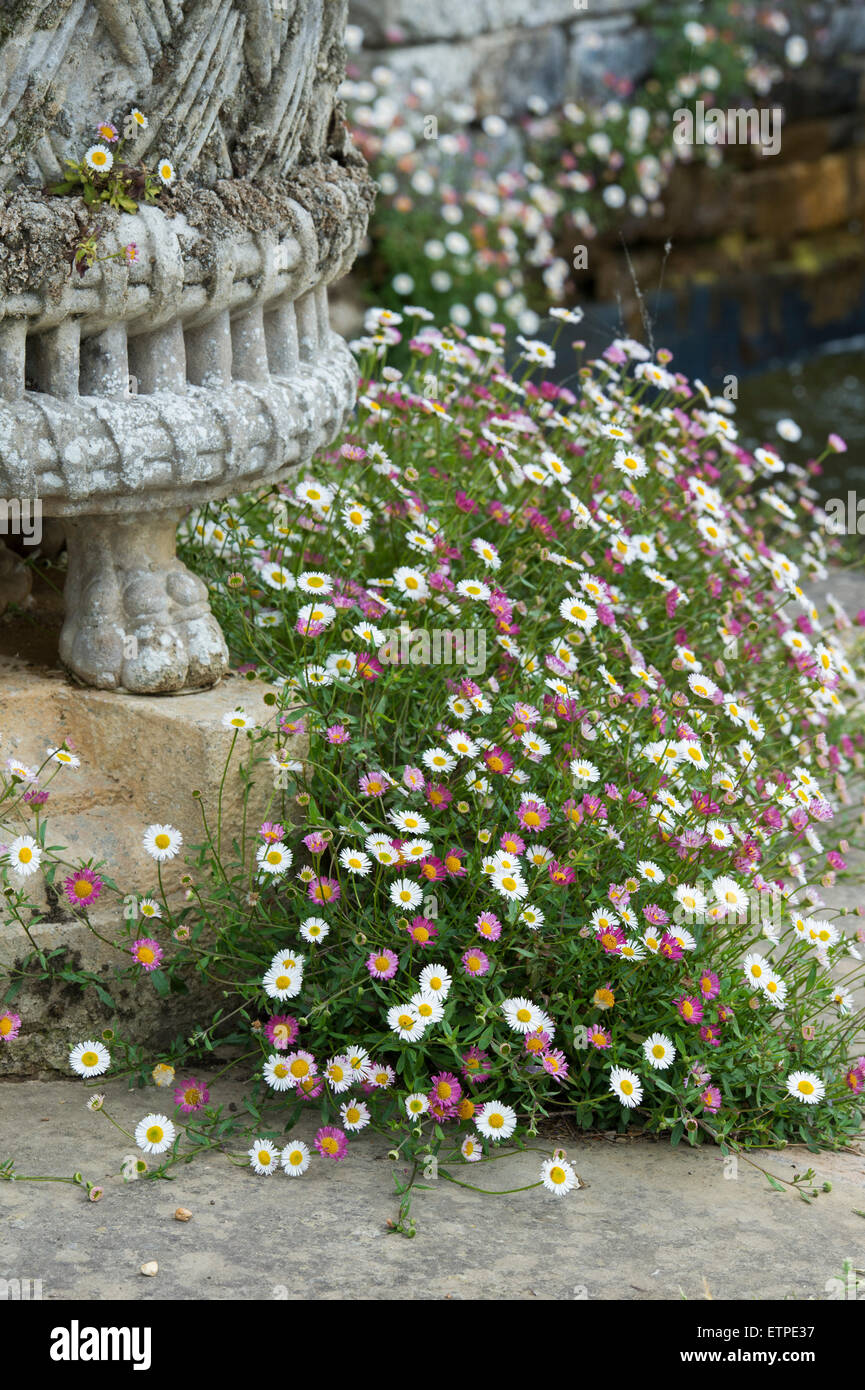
<point x="206" y="366"/>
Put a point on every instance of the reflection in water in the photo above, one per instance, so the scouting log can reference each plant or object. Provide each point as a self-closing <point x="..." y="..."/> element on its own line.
<point x="824" y="394"/>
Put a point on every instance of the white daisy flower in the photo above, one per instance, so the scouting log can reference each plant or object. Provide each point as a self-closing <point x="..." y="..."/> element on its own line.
<point x="429" y="1006"/>
<point x="263" y="1157"/>
<point x="295" y="1158"/>
<point x="162" y="842"/>
<point x="279" y="983"/>
<point x="64" y="757"/>
<point x="99" y="159"/>
<point x="89" y="1058"/>
<point x="627" y="1086"/>
<point x="314" y="582"/>
<point x="24" y="855"/>
<point x="405" y="1021"/>
<point x="274" y="859"/>
<point x="435" y="979"/>
<point x="521" y="1015"/>
<point x="496" y="1121"/>
<point x="355" y="1115"/>
<point x="558" y="1176"/>
<point x="154" y="1134"/>
<point x="237" y="719"/>
<point x="166" y="172"/>
<point x="805" y="1086"/>
<point x="659" y="1051"/>
<point x="509" y="882"/>
<point x="755" y="968"/>
<point x="355" y="861"/>
<point x="405" y="893"/>
<point x="278" y="1074"/>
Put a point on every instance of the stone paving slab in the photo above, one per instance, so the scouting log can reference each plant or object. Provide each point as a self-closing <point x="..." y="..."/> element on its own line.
<point x="652" y="1223"/>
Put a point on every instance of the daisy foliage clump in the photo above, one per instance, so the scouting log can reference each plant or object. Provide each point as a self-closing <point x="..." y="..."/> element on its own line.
<point x="580" y="761"/>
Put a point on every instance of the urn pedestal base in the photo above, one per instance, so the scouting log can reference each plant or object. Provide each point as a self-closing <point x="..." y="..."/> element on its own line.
<point x="137" y="619"/>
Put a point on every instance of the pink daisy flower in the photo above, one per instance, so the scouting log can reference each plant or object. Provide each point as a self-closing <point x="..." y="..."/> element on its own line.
<point x="431" y="869"/>
<point x="498" y="761"/>
<point x="512" y="844"/>
<point x="373" y="784"/>
<point x="338" y="733"/>
<point x="690" y="1008"/>
<point x="382" y="965"/>
<point x="599" y="1038"/>
<point x="445" y="1087"/>
<point x="669" y="947"/>
<point x="453" y="862"/>
<point x="191" y="1095"/>
<point x="422" y="931"/>
<point x="488" y="926"/>
<point x="475" y="1065"/>
<point x="331" y="1142"/>
<point x="323" y="890"/>
<point x="82" y="887"/>
<point x="315" y="842"/>
<point x="537" y="1043"/>
<point x="368" y="667"/>
<point x="555" y="1063"/>
<point x="9" y="1025"/>
<point x="281" y="1030"/>
<point x="147" y="953"/>
<point x="272" y="831"/>
<point x="532" y="816"/>
<point x="709" y="983"/>
<point x="612" y="939"/>
<point x="560" y="873"/>
<point x="711" y="1099"/>
<point x="475" y="962"/>
<point x="310" y="1088"/>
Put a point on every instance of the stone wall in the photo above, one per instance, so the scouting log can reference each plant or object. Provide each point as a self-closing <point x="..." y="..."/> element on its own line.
<point x="499" y="54"/>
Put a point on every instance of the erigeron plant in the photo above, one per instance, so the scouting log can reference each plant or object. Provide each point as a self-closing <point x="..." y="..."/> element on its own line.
<point x="102" y="176"/>
<point x="484" y="902"/>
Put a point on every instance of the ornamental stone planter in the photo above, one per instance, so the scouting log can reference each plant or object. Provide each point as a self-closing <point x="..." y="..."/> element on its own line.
<point x="207" y="366"/>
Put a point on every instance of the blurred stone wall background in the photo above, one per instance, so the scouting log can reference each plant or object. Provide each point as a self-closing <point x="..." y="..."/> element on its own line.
<point x="500" y="55"/>
<point x="771" y="228"/>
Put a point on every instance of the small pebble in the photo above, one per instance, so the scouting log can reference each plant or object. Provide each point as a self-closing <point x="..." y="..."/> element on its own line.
<point x="150" y="1267"/>
<point x="183" y="1214"/>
